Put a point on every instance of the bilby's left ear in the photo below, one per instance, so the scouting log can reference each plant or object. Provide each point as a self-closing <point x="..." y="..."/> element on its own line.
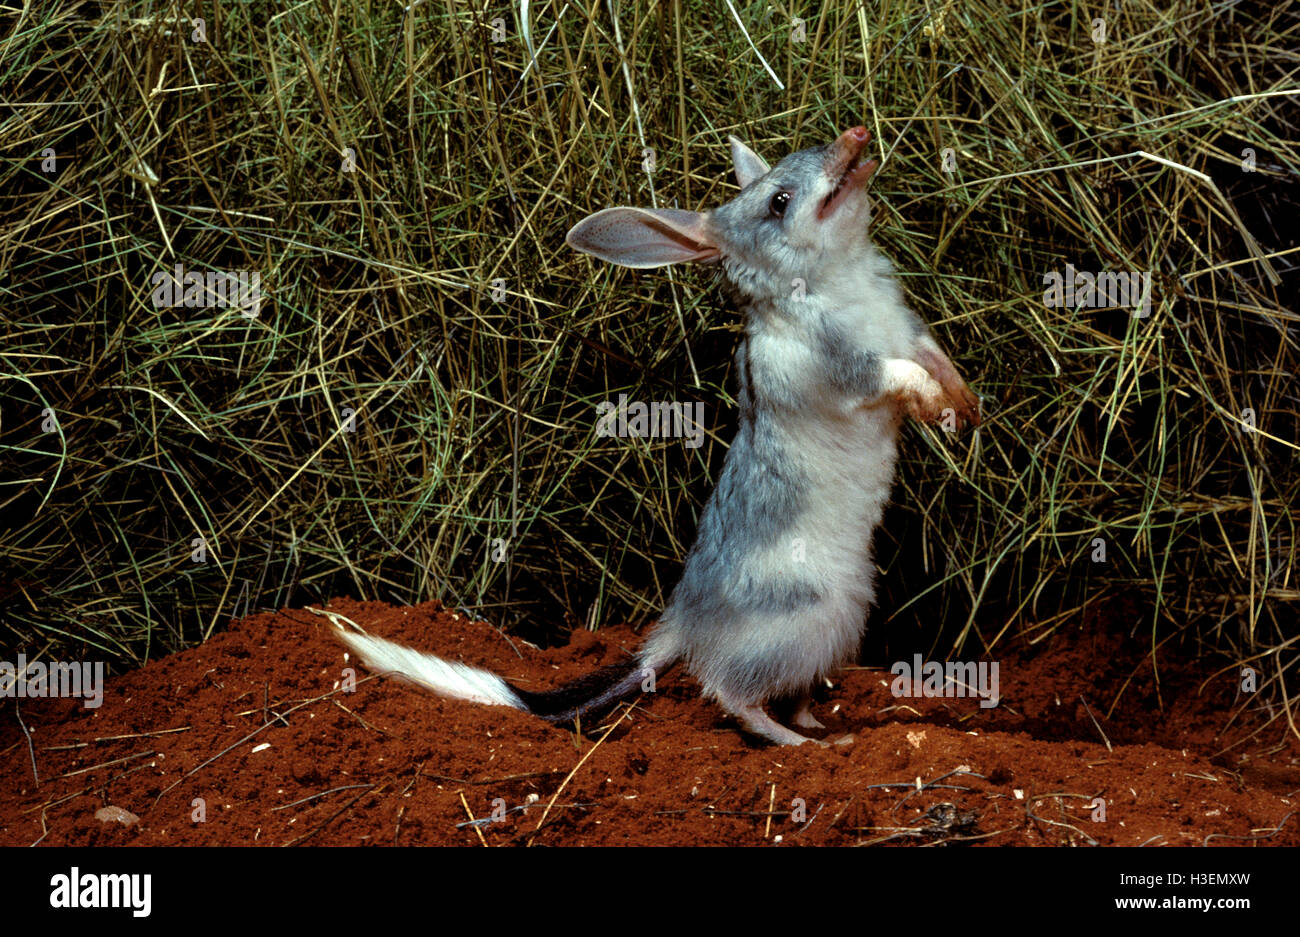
<point x="645" y="237"/>
<point x="749" y="165"/>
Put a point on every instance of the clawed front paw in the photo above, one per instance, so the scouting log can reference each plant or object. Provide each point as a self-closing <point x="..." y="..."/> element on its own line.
<point x="925" y="403"/>
<point x="956" y="396"/>
<point x="940" y="407"/>
<point x="964" y="404"/>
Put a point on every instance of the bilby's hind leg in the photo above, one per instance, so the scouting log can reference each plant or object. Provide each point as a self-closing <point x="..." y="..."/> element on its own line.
<point x="803" y="716"/>
<point x="755" y="720"/>
<point x="761" y="724"/>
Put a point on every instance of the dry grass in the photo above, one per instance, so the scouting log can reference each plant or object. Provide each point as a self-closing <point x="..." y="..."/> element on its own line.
<point x="473" y="415"/>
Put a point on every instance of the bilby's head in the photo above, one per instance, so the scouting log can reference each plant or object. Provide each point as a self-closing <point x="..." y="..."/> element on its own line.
<point x="795" y="220"/>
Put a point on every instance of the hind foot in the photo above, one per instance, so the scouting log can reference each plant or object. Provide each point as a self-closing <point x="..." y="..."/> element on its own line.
<point x="803" y="716"/>
<point x="761" y="724"/>
<point x="758" y="722"/>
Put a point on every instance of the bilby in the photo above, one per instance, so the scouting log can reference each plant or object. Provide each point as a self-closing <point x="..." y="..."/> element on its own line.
<point x="776" y="587"/>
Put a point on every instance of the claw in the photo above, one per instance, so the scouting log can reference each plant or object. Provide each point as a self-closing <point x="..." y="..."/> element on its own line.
<point x="955" y="392"/>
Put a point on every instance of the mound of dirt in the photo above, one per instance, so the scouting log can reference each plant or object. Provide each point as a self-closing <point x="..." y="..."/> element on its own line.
<point x="253" y="738"/>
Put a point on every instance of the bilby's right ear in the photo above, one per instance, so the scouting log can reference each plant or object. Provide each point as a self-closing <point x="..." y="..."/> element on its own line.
<point x="749" y="165"/>
<point x="644" y="237"/>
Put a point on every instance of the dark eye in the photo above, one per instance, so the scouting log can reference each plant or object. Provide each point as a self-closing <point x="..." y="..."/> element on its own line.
<point x="778" y="204"/>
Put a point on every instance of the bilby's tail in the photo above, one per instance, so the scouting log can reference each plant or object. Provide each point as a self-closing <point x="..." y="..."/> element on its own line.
<point x="591" y="693"/>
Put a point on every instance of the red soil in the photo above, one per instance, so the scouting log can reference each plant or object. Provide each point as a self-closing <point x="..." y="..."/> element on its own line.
<point x="250" y="729"/>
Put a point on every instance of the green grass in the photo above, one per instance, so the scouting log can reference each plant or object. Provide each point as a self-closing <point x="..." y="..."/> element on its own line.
<point x="474" y="416"/>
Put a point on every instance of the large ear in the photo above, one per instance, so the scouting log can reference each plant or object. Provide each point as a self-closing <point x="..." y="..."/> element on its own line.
<point x="749" y="165"/>
<point x="644" y="237"/>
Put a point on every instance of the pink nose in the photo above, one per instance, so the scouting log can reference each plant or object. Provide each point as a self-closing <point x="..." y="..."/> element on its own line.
<point x="860" y="134"/>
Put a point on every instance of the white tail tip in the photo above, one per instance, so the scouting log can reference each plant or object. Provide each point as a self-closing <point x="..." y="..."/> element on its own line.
<point x="444" y="677"/>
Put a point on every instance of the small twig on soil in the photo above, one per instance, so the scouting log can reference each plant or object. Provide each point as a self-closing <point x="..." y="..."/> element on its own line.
<point x="1151" y="840"/>
<point x="901" y="832"/>
<point x="941" y="841"/>
<point x="357" y="716"/>
<point x="415" y="779"/>
<point x="45" y="830"/>
<point x="346" y="807"/>
<point x="401" y="812"/>
<point x="933" y="785"/>
<point x="771" y="802"/>
<point x="508" y="777"/>
<point x="31" y="749"/>
<point x="887" y="709"/>
<point x="1033" y="816"/>
<point x="251" y="735"/>
<point x="966" y="839"/>
<point x="714" y="812"/>
<point x="810" y="820"/>
<point x="936" y="835"/>
<point x="580" y="763"/>
<point x="841" y="813"/>
<point x="266" y="706"/>
<point x="470" y="813"/>
<point x="105" y="764"/>
<point x="1088" y="710"/>
<point x="483" y="821"/>
<point x="259" y="710"/>
<point x="87" y="789"/>
<point x="332" y="790"/>
<point x="1271" y="833"/>
<point x="115" y="738"/>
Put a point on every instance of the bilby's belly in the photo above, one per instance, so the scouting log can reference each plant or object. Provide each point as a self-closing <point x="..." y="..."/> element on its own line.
<point x="769" y="604"/>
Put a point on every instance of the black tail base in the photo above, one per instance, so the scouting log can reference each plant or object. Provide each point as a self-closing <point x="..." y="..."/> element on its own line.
<point x="590" y="695"/>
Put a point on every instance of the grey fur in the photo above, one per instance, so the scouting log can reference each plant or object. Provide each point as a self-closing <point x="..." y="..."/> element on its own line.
<point x="849" y="371"/>
<point x="776" y="587"/>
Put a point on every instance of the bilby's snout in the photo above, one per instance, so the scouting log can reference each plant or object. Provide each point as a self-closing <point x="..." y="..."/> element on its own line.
<point x="857" y="137"/>
<point x="845" y="165"/>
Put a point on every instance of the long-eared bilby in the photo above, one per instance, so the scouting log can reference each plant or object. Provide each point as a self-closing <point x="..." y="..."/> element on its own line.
<point x="775" y="590"/>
